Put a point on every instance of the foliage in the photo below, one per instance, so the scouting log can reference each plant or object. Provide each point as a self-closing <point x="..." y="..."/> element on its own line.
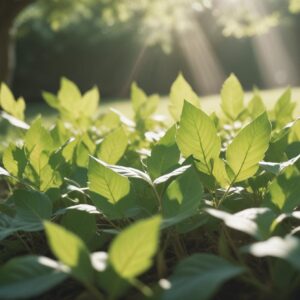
<point x="156" y="21"/>
<point x="139" y="209"/>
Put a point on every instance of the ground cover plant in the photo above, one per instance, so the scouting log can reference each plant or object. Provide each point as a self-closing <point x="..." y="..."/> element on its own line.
<point x="100" y="206"/>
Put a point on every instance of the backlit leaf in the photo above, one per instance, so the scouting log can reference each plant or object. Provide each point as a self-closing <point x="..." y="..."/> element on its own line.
<point x="181" y="91"/>
<point x="197" y="136"/>
<point x="248" y="148"/>
<point x="232" y="96"/>
<point x="131" y="252"/>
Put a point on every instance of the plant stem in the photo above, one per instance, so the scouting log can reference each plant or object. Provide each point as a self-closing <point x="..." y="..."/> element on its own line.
<point x="94" y="291"/>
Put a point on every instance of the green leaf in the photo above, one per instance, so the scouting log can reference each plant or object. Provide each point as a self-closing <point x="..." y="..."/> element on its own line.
<point x="69" y="94"/>
<point x="72" y="219"/>
<point x="138" y="97"/>
<point x="164" y="155"/>
<point x="131" y="253"/>
<point x="284" y="193"/>
<point x="183" y="198"/>
<point x="70" y="250"/>
<point x="14" y="121"/>
<point x="9" y="104"/>
<point x="256" y="106"/>
<point x="199" y="277"/>
<point x="220" y="173"/>
<point x="175" y="173"/>
<point x="38" y="141"/>
<point x="277" y="168"/>
<point x="51" y="99"/>
<point x="31" y="208"/>
<point x="107" y="183"/>
<point x="29" y="276"/>
<point x="197" y="136"/>
<point x="181" y="91"/>
<point x="143" y="105"/>
<point x="232" y="97"/>
<point x="248" y="148"/>
<point x="253" y="221"/>
<point x="89" y="102"/>
<point x="284" y="108"/>
<point x="113" y="146"/>
<point x="287" y="248"/>
<point x="128" y="172"/>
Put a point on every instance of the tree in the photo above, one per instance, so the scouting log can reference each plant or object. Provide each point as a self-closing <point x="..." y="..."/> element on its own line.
<point x="158" y="19"/>
<point x="9" y="10"/>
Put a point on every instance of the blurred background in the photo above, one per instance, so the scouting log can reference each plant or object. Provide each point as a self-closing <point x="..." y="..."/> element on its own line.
<point x="111" y="43"/>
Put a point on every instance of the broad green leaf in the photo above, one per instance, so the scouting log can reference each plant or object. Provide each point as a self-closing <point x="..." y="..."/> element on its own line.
<point x="14" y="121"/>
<point x="284" y="108"/>
<point x="284" y="193"/>
<point x="51" y="100"/>
<point x="39" y="143"/>
<point x="90" y="209"/>
<point x="138" y="97"/>
<point x="113" y="146"/>
<point x="69" y="94"/>
<point x="183" y="198"/>
<point x="248" y="148"/>
<point x="164" y="155"/>
<point x="89" y="102"/>
<point x="181" y="91"/>
<point x="197" y="136"/>
<point x="31" y="208"/>
<point x="175" y="173"/>
<point x="253" y="221"/>
<point x="256" y="106"/>
<point x="9" y="104"/>
<point x="131" y="252"/>
<point x="70" y="250"/>
<point x="29" y="276"/>
<point x="128" y="172"/>
<point x="287" y="248"/>
<point x="73" y="219"/>
<point x="106" y="182"/>
<point x="14" y="160"/>
<point x="149" y="107"/>
<point x="220" y="173"/>
<point x="277" y="168"/>
<point x="232" y="96"/>
<point x="295" y="131"/>
<point x="84" y="148"/>
<point x="199" y="277"/>
<point x="143" y="105"/>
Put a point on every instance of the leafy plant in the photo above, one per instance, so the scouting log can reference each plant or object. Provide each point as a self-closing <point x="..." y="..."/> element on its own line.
<point x="204" y="208"/>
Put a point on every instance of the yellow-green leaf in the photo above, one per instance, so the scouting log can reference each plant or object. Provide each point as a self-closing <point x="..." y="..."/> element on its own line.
<point x="113" y="146"/>
<point x="248" y="148"/>
<point x="138" y="97"/>
<point x="70" y="250"/>
<point x="181" y="91"/>
<point x="132" y="251"/>
<point x="232" y="96"/>
<point x="197" y="136"/>
<point x="106" y="182"/>
<point x="9" y="104"/>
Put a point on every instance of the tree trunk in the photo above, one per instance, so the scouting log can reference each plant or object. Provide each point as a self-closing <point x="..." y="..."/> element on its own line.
<point x="6" y="55"/>
<point x="9" y="10"/>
